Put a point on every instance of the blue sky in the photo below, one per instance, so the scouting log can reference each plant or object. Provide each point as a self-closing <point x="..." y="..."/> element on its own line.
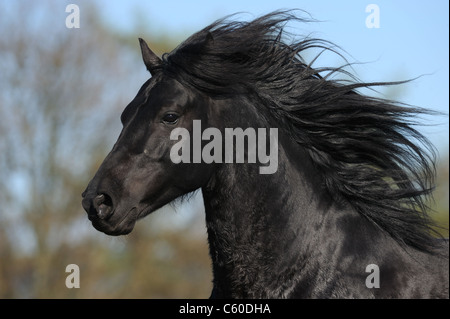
<point x="412" y="40"/>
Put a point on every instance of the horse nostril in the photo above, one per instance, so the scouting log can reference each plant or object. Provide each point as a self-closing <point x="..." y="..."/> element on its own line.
<point x="98" y="200"/>
<point x="103" y="205"/>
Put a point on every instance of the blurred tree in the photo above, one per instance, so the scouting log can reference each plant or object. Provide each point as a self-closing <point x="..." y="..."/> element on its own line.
<point x="62" y="94"/>
<point x="440" y="206"/>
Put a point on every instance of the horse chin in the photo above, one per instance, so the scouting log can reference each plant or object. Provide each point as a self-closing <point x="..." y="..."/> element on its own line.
<point x="116" y="226"/>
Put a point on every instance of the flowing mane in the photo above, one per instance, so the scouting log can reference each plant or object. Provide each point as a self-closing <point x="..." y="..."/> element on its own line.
<point x="366" y="149"/>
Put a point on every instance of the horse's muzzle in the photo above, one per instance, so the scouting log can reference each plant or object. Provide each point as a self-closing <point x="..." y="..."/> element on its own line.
<point x="104" y="215"/>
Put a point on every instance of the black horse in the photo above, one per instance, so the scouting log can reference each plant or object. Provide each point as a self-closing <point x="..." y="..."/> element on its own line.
<point x="341" y="215"/>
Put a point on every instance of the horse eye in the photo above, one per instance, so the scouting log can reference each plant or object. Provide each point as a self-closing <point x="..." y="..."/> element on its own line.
<point x="170" y="118"/>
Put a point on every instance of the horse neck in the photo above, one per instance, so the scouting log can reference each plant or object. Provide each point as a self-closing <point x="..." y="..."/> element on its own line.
<point x="258" y="224"/>
<point x="282" y="235"/>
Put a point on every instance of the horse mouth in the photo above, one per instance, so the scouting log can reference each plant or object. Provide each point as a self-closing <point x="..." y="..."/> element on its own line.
<point x="116" y="225"/>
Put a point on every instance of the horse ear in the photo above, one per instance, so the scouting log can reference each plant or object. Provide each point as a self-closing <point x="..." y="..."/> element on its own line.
<point x="151" y="60"/>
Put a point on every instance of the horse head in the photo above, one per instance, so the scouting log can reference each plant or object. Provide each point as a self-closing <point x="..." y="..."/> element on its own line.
<point x="138" y="175"/>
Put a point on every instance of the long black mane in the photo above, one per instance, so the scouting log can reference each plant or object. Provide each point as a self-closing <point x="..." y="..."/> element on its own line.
<point x="366" y="149"/>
